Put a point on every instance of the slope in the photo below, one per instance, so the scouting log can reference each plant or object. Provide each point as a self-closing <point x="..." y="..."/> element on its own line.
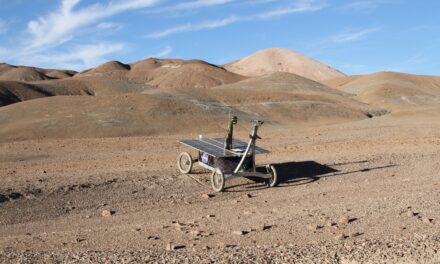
<point x="282" y="60"/>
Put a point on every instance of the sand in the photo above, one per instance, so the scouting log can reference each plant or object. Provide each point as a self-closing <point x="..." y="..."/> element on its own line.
<point x="382" y="173"/>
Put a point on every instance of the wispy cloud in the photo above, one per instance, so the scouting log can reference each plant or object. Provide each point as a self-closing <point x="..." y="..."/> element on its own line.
<point x="298" y="7"/>
<point x="77" y="58"/>
<point x="364" y="5"/>
<point x="195" y="27"/>
<point x="109" y="25"/>
<point x="62" y="24"/>
<point x="165" y="52"/>
<point x="48" y="40"/>
<point x="352" y="36"/>
<point x="191" y="5"/>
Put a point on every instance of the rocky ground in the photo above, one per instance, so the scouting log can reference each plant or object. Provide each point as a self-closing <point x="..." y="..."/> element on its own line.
<point x="360" y="192"/>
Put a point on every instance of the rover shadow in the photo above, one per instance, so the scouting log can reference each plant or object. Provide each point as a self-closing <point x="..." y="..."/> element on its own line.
<point x="299" y="173"/>
<point x="289" y="173"/>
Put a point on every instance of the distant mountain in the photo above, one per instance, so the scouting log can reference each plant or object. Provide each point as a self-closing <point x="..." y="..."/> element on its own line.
<point x="285" y="97"/>
<point x="165" y="73"/>
<point x="27" y="74"/>
<point x="393" y="90"/>
<point x="282" y="60"/>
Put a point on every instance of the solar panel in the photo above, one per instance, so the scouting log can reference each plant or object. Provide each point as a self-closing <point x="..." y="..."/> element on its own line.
<point x="215" y="147"/>
<point x="238" y="144"/>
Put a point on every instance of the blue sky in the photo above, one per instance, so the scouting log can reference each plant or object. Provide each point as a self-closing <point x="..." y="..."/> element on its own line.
<point x="356" y="37"/>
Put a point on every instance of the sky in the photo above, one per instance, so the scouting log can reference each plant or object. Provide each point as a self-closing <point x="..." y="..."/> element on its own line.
<point x="355" y="37"/>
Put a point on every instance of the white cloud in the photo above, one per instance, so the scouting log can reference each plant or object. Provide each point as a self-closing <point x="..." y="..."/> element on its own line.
<point x="351" y="36"/>
<point x="192" y="5"/>
<point x="78" y="58"/>
<point x="61" y="25"/>
<point x="165" y="52"/>
<point x="299" y="7"/>
<point x="109" y="25"/>
<point x="195" y="27"/>
<point x="364" y="5"/>
<point x="40" y="45"/>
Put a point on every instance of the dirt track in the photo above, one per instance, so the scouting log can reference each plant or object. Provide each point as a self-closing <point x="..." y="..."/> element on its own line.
<point x="383" y="173"/>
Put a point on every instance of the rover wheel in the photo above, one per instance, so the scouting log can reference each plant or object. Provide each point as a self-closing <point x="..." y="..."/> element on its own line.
<point x="184" y="162"/>
<point x="273" y="181"/>
<point x="217" y="181"/>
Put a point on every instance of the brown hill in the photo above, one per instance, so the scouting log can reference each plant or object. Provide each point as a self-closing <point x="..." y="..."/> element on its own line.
<point x="59" y="74"/>
<point x="14" y="92"/>
<point x="112" y="66"/>
<point x="4" y="67"/>
<point x="279" y="98"/>
<point x="165" y="73"/>
<point x="282" y="60"/>
<point x="285" y="97"/>
<point x="395" y="91"/>
<point x="105" y="116"/>
<point x="27" y="74"/>
<point x="22" y="74"/>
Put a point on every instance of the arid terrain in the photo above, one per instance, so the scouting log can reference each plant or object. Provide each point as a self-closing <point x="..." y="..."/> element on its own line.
<point x="88" y="164"/>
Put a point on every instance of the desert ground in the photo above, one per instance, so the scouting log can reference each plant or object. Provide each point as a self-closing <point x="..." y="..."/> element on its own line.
<point x="88" y="167"/>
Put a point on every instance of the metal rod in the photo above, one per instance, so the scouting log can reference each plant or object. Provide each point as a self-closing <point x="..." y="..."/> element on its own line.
<point x="251" y="143"/>
<point x="244" y="156"/>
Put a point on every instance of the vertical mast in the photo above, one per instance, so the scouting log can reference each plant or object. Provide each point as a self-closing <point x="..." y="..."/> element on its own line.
<point x="228" y="140"/>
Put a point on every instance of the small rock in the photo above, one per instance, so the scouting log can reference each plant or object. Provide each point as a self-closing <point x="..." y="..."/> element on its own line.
<point x="79" y="240"/>
<point x="426" y="220"/>
<point x="152" y="238"/>
<point x="239" y="233"/>
<point x="207" y="195"/>
<point x="355" y="234"/>
<point x="195" y="232"/>
<point x="265" y="227"/>
<point x="170" y="246"/>
<point x="312" y="227"/>
<point x="344" y="219"/>
<point x="247" y="195"/>
<point x="410" y="213"/>
<point x="229" y="245"/>
<point x="107" y="213"/>
<point x="178" y="225"/>
<point x="339" y="237"/>
<point x="210" y="216"/>
<point x="330" y="224"/>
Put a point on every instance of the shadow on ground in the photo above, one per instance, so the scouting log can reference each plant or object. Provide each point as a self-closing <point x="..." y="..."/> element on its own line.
<point x="299" y="173"/>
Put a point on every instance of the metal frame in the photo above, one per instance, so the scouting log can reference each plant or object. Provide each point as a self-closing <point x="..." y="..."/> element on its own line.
<point x="213" y="148"/>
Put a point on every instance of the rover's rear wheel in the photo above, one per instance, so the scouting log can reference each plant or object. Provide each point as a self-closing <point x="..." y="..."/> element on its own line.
<point x="218" y="181"/>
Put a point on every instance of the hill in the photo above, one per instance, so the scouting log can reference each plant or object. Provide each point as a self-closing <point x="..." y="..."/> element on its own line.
<point x="284" y="97"/>
<point x="392" y="90"/>
<point x="165" y="73"/>
<point x="26" y="74"/>
<point x="282" y="60"/>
